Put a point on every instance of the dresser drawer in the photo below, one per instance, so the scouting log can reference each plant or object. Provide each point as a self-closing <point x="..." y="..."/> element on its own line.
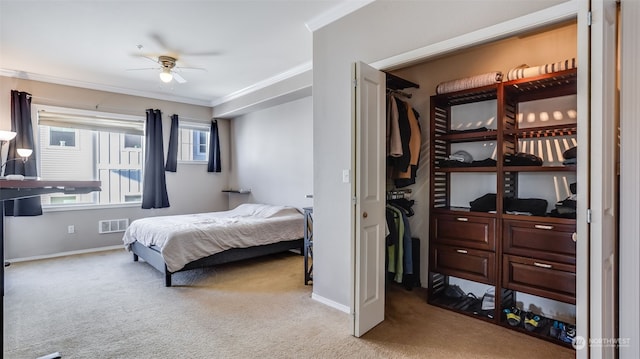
<point x="549" y="241"/>
<point x="464" y="231"/>
<point x="542" y="278"/>
<point x="464" y="263"/>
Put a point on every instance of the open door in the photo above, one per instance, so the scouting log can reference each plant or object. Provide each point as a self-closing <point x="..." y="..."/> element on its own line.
<point x="369" y="189"/>
<point x="604" y="113"/>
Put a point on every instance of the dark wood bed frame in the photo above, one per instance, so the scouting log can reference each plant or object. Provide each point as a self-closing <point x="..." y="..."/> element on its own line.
<point x="152" y="256"/>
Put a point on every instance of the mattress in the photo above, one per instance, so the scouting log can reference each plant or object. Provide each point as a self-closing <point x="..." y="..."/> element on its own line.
<point x="185" y="238"/>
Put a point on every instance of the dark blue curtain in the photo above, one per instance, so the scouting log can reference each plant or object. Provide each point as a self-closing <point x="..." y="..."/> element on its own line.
<point x="172" y="153"/>
<point x="214" y="164"/>
<point x="21" y="125"/>
<point x="154" y="187"/>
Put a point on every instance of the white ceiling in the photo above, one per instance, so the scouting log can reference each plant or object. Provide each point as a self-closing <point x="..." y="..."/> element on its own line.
<point x="241" y="44"/>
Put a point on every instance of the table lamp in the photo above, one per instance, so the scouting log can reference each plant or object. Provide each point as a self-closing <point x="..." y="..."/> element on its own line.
<point x="6" y="136"/>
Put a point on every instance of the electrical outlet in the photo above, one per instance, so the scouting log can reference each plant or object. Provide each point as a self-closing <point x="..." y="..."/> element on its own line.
<point x="71" y="229"/>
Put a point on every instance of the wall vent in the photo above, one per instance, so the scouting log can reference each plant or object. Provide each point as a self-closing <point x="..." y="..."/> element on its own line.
<point x="113" y="225"/>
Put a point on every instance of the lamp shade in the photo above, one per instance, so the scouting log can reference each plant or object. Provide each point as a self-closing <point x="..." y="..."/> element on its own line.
<point x="24" y="152"/>
<point x="6" y="135"/>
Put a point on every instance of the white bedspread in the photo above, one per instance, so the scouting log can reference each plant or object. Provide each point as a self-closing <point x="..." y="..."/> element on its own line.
<point x="185" y="238"/>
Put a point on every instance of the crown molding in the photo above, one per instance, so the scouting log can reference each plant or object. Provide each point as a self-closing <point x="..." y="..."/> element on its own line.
<point x="335" y="13"/>
<point x="100" y="87"/>
<point x="263" y="84"/>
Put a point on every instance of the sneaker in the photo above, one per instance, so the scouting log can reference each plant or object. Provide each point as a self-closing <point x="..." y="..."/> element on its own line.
<point x="513" y="316"/>
<point x="532" y="321"/>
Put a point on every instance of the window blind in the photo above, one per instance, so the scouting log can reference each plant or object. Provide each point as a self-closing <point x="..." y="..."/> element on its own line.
<point x="91" y="122"/>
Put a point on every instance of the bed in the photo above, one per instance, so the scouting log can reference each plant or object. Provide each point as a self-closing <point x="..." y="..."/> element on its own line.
<point x="177" y="243"/>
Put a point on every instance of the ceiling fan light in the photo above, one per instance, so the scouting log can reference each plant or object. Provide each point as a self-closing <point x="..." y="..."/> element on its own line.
<point x="166" y="75"/>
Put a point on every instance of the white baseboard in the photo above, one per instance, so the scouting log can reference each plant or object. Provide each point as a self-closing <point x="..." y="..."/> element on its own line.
<point x="331" y="303"/>
<point x="64" y="254"/>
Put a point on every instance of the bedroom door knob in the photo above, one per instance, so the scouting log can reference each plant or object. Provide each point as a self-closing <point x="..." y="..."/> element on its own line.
<point x="365" y="214"/>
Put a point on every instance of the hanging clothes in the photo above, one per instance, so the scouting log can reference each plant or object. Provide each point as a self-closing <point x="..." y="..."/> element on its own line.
<point x="399" y="242"/>
<point x="403" y="141"/>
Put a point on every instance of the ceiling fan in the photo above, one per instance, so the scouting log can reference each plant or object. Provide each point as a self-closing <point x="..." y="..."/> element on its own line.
<point x="168" y="69"/>
<point x="167" y="62"/>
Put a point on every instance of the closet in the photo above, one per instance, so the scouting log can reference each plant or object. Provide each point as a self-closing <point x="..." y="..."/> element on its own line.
<point x="498" y="234"/>
<point x="403" y="143"/>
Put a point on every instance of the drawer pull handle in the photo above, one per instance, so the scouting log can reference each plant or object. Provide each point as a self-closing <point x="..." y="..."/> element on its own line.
<point x="462" y="219"/>
<point x="461" y="251"/>
<point x="542" y="265"/>
<point x="543" y="226"/>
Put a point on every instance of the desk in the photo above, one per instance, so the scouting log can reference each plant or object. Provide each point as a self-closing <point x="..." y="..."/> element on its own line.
<point x="14" y="189"/>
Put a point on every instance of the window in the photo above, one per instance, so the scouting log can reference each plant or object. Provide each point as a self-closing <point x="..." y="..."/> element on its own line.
<point x="132" y="141"/>
<point x="63" y="137"/>
<point x="193" y="142"/>
<point x="88" y="145"/>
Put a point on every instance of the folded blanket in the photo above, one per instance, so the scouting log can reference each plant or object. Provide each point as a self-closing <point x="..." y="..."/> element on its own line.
<point x="469" y="82"/>
<point x="523" y="71"/>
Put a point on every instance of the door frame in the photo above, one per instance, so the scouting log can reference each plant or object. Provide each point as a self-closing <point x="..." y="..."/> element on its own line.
<point x="566" y="11"/>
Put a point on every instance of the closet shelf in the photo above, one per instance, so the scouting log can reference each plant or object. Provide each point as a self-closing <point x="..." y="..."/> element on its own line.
<point x="547" y="131"/>
<point x="465" y="169"/>
<point x="568" y="168"/>
<point x="477" y="94"/>
<point x="490" y="135"/>
<point x="398" y="83"/>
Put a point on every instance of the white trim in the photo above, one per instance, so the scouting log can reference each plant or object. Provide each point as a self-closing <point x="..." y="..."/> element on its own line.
<point x="263" y="103"/>
<point x="193" y="125"/>
<point x="629" y="326"/>
<point x="331" y="303"/>
<point x="101" y="87"/>
<point x="65" y="254"/>
<point x="84" y="207"/>
<point x="263" y="84"/>
<point x="536" y="20"/>
<point x="335" y="13"/>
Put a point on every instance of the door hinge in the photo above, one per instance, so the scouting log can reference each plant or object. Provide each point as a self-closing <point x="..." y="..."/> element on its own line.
<point x="588" y="215"/>
<point x="589" y="18"/>
<point x="355" y="82"/>
<point x="354" y="200"/>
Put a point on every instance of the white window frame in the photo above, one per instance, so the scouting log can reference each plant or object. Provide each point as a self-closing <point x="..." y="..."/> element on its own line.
<point x="66" y="147"/>
<point x="101" y="117"/>
<point x="198" y="126"/>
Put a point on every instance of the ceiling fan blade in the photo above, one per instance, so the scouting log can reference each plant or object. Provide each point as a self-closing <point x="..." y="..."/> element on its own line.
<point x="144" y="68"/>
<point x="190" y="68"/>
<point x="160" y="41"/>
<point x="201" y="53"/>
<point x="178" y="77"/>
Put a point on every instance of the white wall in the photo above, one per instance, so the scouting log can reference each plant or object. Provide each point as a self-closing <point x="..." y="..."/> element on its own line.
<point x="378" y="31"/>
<point x="191" y="189"/>
<point x="272" y="154"/>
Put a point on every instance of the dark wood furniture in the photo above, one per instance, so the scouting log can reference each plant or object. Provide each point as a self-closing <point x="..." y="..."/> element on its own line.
<point x="14" y="189"/>
<point x="511" y="253"/>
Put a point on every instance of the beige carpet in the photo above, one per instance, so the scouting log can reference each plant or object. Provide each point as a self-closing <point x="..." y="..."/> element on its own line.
<point x="104" y="305"/>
